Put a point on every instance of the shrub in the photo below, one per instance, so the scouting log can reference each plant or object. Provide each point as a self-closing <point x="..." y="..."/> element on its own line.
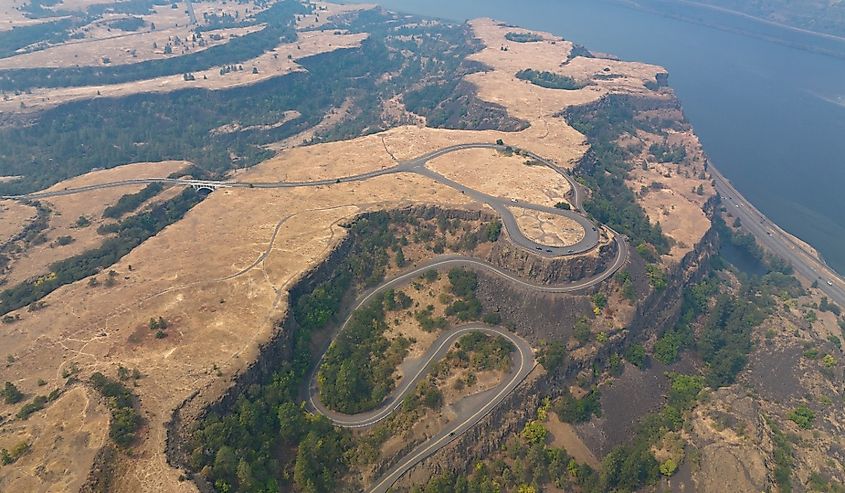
<point x="803" y="416"/>
<point x="11" y="394"/>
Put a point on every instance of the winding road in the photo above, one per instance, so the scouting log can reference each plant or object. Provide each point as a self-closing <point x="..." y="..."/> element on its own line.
<point x="417" y="165"/>
<point x="481" y="404"/>
<point x="471" y="409"/>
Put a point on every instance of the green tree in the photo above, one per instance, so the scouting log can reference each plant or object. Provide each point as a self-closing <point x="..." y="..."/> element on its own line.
<point x="225" y="462"/>
<point x="11" y="394"/>
<point x="535" y="433"/>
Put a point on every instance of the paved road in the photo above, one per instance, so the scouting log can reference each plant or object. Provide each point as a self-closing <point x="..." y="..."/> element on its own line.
<point x="417" y="370"/>
<point x="777" y="241"/>
<point x="417" y="165"/>
<point x="480" y="405"/>
<point x="420" y="369"/>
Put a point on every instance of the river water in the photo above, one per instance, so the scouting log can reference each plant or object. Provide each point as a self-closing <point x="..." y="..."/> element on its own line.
<point x="770" y="116"/>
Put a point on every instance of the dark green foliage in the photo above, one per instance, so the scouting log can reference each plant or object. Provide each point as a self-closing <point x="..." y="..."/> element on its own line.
<point x="668" y="154"/>
<point x="553" y="357"/>
<point x="429" y="323"/>
<point x="431" y="275"/>
<point x="394" y="300"/>
<point x="463" y="283"/>
<point x="581" y="330"/>
<point x="684" y="390"/>
<point x="73" y="138"/>
<point x="668" y="347"/>
<point x="549" y="80"/>
<point x="615" y="365"/>
<point x="530" y="462"/>
<point x="726" y="338"/>
<point x="600" y="300"/>
<point x="523" y="37"/>
<point x="23" y="36"/>
<point x="627" y="283"/>
<point x="822" y="483"/>
<point x="572" y="410"/>
<point x="803" y="416"/>
<point x="240" y="450"/>
<point x="131" y="232"/>
<point x="125" y="418"/>
<point x="319" y="459"/>
<point x="656" y="276"/>
<point x="491" y="318"/>
<point x="267" y="418"/>
<point x="636" y="355"/>
<point x="826" y="306"/>
<point x="605" y="170"/>
<point x="465" y="310"/>
<point x="36" y="405"/>
<point x="11" y="394"/>
<point x="130" y="202"/>
<point x="482" y="352"/>
<point x="130" y="23"/>
<point x="783" y="459"/>
<point x="64" y="240"/>
<point x="627" y="468"/>
<point x="493" y="230"/>
<point x="280" y="19"/>
<point x="352" y="379"/>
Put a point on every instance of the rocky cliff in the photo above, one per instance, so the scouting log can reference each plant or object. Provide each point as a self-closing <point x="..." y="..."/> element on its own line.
<point x="551" y="270"/>
<point x="535" y="317"/>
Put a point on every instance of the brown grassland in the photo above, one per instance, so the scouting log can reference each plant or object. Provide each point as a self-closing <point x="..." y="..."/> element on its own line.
<point x="194" y="274"/>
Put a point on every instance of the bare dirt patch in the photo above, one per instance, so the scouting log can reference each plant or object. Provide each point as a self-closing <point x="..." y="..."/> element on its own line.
<point x="565" y="437"/>
<point x="547" y="229"/>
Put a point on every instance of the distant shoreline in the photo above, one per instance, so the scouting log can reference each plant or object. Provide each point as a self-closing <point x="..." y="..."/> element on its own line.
<point x="840" y="54"/>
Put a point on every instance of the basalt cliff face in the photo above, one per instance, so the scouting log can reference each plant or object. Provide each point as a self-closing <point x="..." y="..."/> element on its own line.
<point x="546" y="317"/>
<point x="551" y="271"/>
<point x="222" y="397"/>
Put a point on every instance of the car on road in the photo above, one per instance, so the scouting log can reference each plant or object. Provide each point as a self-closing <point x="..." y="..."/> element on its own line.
<point x="514" y="201"/>
<point x="830" y="283"/>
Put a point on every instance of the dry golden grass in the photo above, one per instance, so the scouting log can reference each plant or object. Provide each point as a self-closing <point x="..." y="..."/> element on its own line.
<point x="11" y="17"/>
<point x="325" y="11"/>
<point x="13" y="217"/>
<point x="320" y="162"/>
<point x="271" y="64"/>
<point x="547" y="229"/>
<point x="497" y="174"/>
<point x="122" y="48"/>
<point x="676" y="206"/>
<point x="195" y="272"/>
<point x="67" y="209"/>
<point x="64" y="439"/>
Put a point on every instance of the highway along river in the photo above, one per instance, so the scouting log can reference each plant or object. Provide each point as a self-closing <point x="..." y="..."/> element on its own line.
<point x="771" y="117"/>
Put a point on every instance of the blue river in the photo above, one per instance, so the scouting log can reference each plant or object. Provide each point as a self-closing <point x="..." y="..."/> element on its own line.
<point x="771" y="115"/>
